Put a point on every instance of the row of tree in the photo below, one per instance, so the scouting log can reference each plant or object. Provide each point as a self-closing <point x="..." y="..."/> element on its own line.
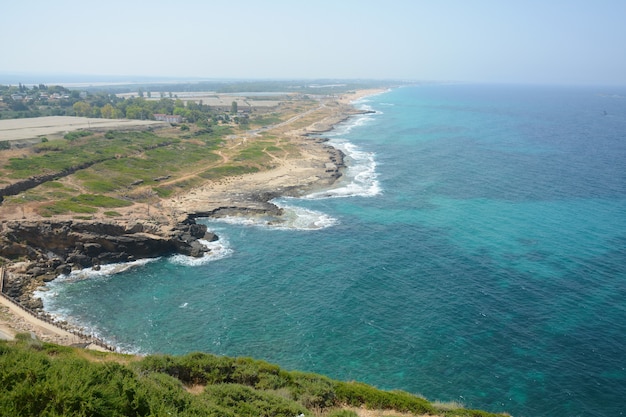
<point x="36" y="101"/>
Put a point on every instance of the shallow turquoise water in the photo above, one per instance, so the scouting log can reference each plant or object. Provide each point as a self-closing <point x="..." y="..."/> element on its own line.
<point x="475" y="252"/>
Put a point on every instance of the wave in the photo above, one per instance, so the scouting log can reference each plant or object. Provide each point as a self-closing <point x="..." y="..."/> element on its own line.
<point x="101" y="271"/>
<point x="50" y="291"/>
<point x="293" y="218"/>
<point x="219" y="249"/>
<point x="360" y="177"/>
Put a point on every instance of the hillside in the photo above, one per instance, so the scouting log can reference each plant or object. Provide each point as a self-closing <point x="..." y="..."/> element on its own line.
<point x="42" y="379"/>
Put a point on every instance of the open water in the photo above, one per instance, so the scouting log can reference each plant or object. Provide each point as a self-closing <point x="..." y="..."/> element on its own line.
<point x="474" y="252"/>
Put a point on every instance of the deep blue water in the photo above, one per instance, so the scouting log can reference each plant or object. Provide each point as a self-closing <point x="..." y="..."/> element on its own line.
<point x="475" y="252"/>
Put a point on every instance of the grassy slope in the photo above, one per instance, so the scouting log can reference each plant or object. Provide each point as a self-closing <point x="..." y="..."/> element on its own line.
<point x="41" y="379"/>
<point x="127" y="167"/>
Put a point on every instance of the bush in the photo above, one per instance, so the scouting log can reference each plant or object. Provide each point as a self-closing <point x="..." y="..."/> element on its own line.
<point x="42" y="379"/>
<point x="72" y="136"/>
<point x="358" y="394"/>
<point x="246" y="401"/>
<point x="342" y="413"/>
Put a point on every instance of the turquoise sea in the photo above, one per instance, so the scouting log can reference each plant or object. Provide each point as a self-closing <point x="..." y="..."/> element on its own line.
<point x="475" y="251"/>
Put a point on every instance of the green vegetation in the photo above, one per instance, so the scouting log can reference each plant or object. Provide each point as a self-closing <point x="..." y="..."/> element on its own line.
<point x="266" y="120"/>
<point x="227" y="171"/>
<point x="41" y="379"/>
<point x="83" y="203"/>
<point x="72" y="136"/>
<point x="59" y="155"/>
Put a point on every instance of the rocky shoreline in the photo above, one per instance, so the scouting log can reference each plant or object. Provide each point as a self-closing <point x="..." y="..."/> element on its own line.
<point x="47" y="248"/>
<point x="41" y="249"/>
<point x="58" y="247"/>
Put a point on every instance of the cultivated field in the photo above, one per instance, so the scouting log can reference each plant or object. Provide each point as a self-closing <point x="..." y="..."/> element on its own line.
<point x="53" y="126"/>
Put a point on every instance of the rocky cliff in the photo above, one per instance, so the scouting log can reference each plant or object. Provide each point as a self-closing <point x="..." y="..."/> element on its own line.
<point x="56" y="247"/>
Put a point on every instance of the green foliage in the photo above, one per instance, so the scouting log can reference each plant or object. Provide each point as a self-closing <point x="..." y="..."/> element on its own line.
<point x="227" y="170"/>
<point x="266" y="120"/>
<point x="51" y="146"/>
<point x="94" y="200"/>
<point x="5" y="144"/>
<point x="42" y="379"/>
<point x="72" y="136"/>
<point x="84" y="203"/>
<point x="241" y="400"/>
<point x="358" y="394"/>
<point x="342" y="413"/>
<point x="59" y="155"/>
<point x="314" y="391"/>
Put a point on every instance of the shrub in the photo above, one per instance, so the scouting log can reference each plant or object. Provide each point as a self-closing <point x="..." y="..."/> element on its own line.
<point x="358" y="394"/>
<point x="312" y="390"/>
<point x="72" y="136"/>
<point x="227" y="170"/>
<point x="246" y="401"/>
<point x="342" y="413"/>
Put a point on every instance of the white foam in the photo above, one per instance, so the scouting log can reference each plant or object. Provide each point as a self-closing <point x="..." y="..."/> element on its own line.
<point x="102" y="271"/>
<point x="293" y="218"/>
<point x="219" y="249"/>
<point x="355" y="121"/>
<point x="360" y="177"/>
<point x="50" y="291"/>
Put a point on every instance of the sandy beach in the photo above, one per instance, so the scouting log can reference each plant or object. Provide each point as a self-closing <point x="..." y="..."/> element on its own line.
<point x="311" y="168"/>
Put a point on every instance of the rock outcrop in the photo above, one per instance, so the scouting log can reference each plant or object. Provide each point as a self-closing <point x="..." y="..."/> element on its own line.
<point x="57" y="247"/>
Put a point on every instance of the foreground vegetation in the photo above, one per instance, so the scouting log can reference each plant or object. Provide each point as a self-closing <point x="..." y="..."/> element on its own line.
<point x="42" y="379"/>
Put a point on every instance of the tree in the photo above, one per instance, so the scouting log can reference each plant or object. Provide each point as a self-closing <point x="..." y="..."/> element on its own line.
<point x="82" y="108"/>
<point x="233" y="108"/>
<point x="107" y="111"/>
<point x="134" y="112"/>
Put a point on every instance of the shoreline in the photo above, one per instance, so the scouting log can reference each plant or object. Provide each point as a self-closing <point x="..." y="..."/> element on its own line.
<point x="317" y="166"/>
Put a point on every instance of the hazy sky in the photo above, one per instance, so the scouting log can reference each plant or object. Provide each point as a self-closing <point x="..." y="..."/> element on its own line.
<point x="523" y="41"/>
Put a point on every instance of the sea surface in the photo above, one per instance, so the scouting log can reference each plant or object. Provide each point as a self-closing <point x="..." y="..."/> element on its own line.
<point x="475" y="251"/>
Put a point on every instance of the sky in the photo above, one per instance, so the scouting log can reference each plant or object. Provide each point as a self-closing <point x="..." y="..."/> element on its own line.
<point x="498" y="41"/>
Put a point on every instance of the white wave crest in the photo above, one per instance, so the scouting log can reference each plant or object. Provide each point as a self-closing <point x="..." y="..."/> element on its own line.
<point x="293" y="218"/>
<point x="102" y="270"/>
<point x="219" y="249"/>
<point x="355" y="121"/>
<point x="361" y="178"/>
